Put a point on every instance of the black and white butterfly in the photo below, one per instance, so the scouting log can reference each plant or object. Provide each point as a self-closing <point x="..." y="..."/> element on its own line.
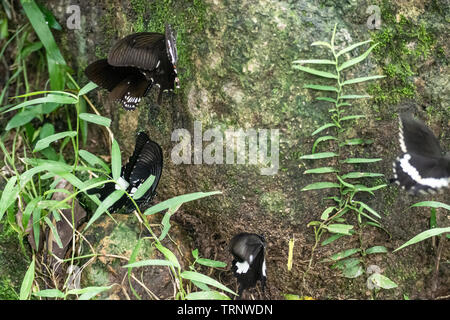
<point x="147" y="159"/>
<point x="422" y="167"/>
<point x="135" y="64"/>
<point x="249" y="264"/>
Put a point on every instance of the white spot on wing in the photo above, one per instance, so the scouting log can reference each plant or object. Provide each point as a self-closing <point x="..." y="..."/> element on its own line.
<point x="122" y="184"/>
<point x="242" y="267"/>
<point x="414" y="174"/>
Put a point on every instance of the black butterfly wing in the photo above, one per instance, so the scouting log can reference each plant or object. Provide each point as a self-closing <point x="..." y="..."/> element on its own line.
<point x="141" y="50"/>
<point x="148" y="162"/>
<point x="421" y="174"/>
<point x="106" y="75"/>
<point x="248" y="265"/>
<point x="105" y="191"/>
<point x="172" y="53"/>
<point x="417" y="138"/>
<point x="130" y="90"/>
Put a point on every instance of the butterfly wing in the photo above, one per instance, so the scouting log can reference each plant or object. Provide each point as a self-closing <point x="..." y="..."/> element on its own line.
<point x="417" y="138"/>
<point x="105" y="191"/>
<point x="420" y="174"/>
<point x="172" y="53"/>
<point x="130" y="90"/>
<point x="141" y="50"/>
<point x="106" y="75"/>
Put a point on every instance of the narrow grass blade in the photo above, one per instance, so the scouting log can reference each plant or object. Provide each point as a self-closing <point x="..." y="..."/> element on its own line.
<point x="321" y="128"/>
<point x="315" y="61"/>
<point x="356" y="60"/>
<point x="353" y="46"/>
<point x="116" y="160"/>
<point x="93" y="160"/>
<point x="143" y="188"/>
<point x="104" y="205"/>
<point x="211" y="263"/>
<point x="320" y="170"/>
<point x="357" y="175"/>
<point x="170" y="256"/>
<point x="360" y="160"/>
<point x="27" y="283"/>
<point x="321" y="43"/>
<point x="320" y="87"/>
<point x="424" y="235"/>
<point x="9" y="195"/>
<point x="50" y="293"/>
<point x="150" y="262"/>
<point x="319" y="155"/>
<point x="432" y="204"/>
<point x="355" y="96"/>
<point x="54" y="232"/>
<point x="321" y="139"/>
<point x="89" y="87"/>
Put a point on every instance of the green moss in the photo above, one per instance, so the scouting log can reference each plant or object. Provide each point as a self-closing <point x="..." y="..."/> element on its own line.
<point x="273" y="202"/>
<point x="403" y="45"/>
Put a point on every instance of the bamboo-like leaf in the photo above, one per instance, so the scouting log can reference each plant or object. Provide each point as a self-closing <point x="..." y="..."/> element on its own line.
<point x="143" y="188"/>
<point x="320" y="87"/>
<point x="360" y="160"/>
<point x="207" y="295"/>
<point x="321" y="128"/>
<point x="44" y="143"/>
<point x="353" y="117"/>
<point x="356" y="60"/>
<point x="27" y="283"/>
<point x="321" y="139"/>
<point x="357" y="175"/>
<point x="93" y="160"/>
<point x="328" y="99"/>
<point x="320" y="185"/>
<point x="432" y="204"/>
<point x="116" y="160"/>
<point x="177" y="201"/>
<point x="9" y="195"/>
<point x="54" y="232"/>
<point x="377" y="249"/>
<point x="89" y="292"/>
<point x="50" y="293"/>
<point x="354" y="96"/>
<point x="326" y="213"/>
<point x="192" y="275"/>
<point x="104" y="205"/>
<point x="94" y="118"/>
<point x="340" y="228"/>
<point x="424" y="235"/>
<point x="321" y="43"/>
<point x="361" y="79"/>
<point x="90" y="86"/>
<point x="316" y="72"/>
<point x="168" y="254"/>
<point x="344" y="254"/>
<point x="331" y="239"/>
<point x="211" y="263"/>
<point x="321" y="170"/>
<point x="50" y="98"/>
<point x="319" y="155"/>
<point x="150" y="262"/>
<point x="353" y="46"/>
<point x="315" y="61"/>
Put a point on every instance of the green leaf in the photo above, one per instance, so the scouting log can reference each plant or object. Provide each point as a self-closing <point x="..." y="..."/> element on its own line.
<point x="50" y="293"/>
<point x="353" y="271"/>
<point x="362" y="79"/>
<point x="356" y="60"/>
<point x="21" y="118"/>
<point x="320" y="87"/>
<point x="89" y="292"/>
<point x="321" y="170"/>
<point x="424" y="235"/>
<point x="50" y="98"/>
<point x="321" y="128"/>
<point x="143" y="188"/>
<point x="357" y="175"/>
<point x="340" y="228"/>
<point x="369" y="209"/>
<point x="44" y="143"/>
<point x="319" y="155"/>
<point x="376" y="249"/>
<point x="177" y="201"/>
<point x="315" y="61"/>
<point x="211" y="263"/>
<point x="93" y="160"/>
<point x="361" y="160"/>
<point x="353" y="46"/>
<point x="192" y="275"/>
<point x="104" y="205"/>
<point x="89" y="87"/>
<point x="354" y="96"/>
<point x="328" y="99"/>
<point x="334" y="237"/>
<point x="9" y="195"/>
<point x="316" y="72"/>
<point x="168" y="254"/>
<point x="116" y="160"/>
<point x="344" y="254"/>
<point x="54" y="232"/>
<point x="382" y="281"/>
<point x="321" y="43"/>
<point x="320" y="185"/>
<point x="327" y="212"/>
<point x="352" y="117"/>
<point x="321" y="139"/>
<point x="27" y="283"/>
<point x="207" y="295"/>
<point x="432" y="204"/>
<point x="91" y="117"/>
<point x="150" y="262"/>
